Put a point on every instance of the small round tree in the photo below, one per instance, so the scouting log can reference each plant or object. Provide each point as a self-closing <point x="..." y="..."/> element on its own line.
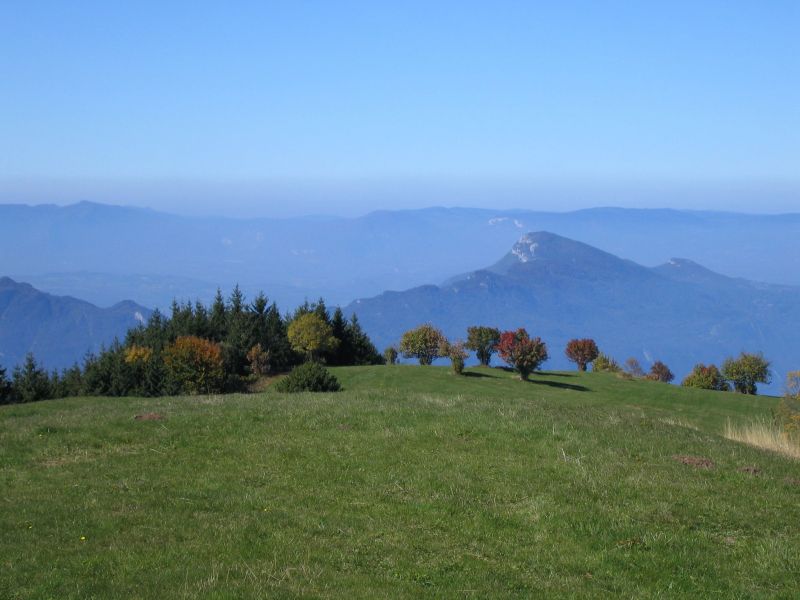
<point x="422" y="343"/>
<point x="390" y="355"/>
<point x="660" y="372"/>
<point x="582" y="352"/>
<point x="457" y="353"/>
<point x="521" y="352"/>
<point x="311" y="335"/>
<point x="483" y="341"/>
<point x="746" y="371"/>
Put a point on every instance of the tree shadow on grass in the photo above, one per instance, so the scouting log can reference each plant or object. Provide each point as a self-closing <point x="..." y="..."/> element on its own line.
<point x="477" y="374"/>
<point x="559" y="384"/>
<point x="554" y="374"/>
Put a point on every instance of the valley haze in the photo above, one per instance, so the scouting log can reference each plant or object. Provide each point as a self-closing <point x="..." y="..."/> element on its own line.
<point x="654" y="284"/>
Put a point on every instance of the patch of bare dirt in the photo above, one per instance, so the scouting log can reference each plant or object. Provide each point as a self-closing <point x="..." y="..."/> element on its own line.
<point x="751" y="470"/>
<point x="792" y="481"/>
<point x="151" y="416"/>
<point x="694" y="461"/>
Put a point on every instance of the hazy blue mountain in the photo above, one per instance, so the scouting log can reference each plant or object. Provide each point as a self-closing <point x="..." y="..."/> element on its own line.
<point x="59" y="330"/>
<point x="678" y="312"/>
<point x="152" y="257"/>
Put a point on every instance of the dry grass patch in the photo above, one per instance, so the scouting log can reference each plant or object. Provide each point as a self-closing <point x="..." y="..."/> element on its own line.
<point x="765" y="435"/>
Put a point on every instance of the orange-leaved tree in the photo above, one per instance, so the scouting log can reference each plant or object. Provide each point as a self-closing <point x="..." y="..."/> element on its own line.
<point x="195" y="364"/>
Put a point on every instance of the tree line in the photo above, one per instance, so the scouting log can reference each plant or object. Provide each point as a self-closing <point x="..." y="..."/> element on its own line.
<point x="526" y="354"/>
<point x="201" y="349"/>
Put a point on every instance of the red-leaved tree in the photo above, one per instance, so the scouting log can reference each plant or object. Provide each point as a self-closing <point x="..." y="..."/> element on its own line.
<point x="582" y="352"/>
<point x="521" y="352"/>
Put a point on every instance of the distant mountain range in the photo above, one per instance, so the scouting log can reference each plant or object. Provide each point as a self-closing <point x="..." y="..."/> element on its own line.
<point x="59" y="330"/>
<point x="103" y="253"/>
<point x="678" y="312"/>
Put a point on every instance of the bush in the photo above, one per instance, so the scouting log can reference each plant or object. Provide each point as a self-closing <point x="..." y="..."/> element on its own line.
<point x="605" y="364"/>
<point x="706" y="378"/>
<point x="309" y="377"/>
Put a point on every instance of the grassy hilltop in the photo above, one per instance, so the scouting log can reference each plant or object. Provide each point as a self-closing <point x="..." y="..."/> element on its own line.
<point x="410" y="483"/>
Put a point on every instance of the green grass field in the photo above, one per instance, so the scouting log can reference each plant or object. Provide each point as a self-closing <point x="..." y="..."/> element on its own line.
<point x="411" y="483"/>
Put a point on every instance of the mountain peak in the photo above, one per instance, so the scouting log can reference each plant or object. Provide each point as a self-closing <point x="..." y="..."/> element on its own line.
<point x="542" y="251"/>
<point x="683" y="269"/>
<point x="529" y="244"/>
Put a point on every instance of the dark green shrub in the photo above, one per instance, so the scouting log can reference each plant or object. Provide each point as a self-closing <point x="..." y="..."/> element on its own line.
<point x="309" y="377"/>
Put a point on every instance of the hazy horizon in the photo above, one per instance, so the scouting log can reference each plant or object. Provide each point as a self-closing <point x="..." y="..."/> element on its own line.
<point x="354" y="199"/>
<point x="283" y="110"/>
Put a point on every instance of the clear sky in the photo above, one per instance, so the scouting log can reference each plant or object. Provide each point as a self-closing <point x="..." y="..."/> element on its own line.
<point x="335" y="106"/>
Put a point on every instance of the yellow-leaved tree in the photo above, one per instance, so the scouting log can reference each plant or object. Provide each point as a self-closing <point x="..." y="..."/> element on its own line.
<point x="311" y="335"/>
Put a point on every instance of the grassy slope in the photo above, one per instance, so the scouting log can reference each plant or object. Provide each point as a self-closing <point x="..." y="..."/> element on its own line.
<point x="411" y="483"/>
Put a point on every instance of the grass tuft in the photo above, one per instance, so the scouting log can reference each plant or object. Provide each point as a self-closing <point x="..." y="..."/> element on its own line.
<point x="765" y="435"/>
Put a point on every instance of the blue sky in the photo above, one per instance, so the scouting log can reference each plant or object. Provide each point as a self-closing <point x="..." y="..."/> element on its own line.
<point x="278" y="108"/>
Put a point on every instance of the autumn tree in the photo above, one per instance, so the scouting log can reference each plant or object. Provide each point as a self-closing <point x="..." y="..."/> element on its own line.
<point x="483" y="341"/>
<point x="746" y="371"/>
<point x="582" y="352"/>
<point x="660" y="372"/>
<point x="521" y="352"/>
<point x="706" y="378"/>
<point x="457" y="353"/>
<point x="633" y="367"/>
<point x="196" y="365"/>
<point x="422" y="343"/>
<point x="258" y="360"/>
<point x="390" y="355"/>
<point x="311" y="335"/>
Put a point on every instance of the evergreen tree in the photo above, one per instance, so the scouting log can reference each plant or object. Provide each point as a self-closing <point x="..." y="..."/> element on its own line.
<point x="322" y="311"/>
<point x="343" y="353"/>
<point x="236" y="301"/>
<point x="276" y="341"/>
<point x="219" y="318"/>
<point x="6" y="389"/>
<point x="71" y="382"/>
<point x="363" y="350"/>
<point x="31" y="382"/>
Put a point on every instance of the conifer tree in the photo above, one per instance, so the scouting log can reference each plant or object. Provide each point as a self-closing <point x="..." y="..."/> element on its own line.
<point x="6" y="389"/>
<point x="31" y="382"/>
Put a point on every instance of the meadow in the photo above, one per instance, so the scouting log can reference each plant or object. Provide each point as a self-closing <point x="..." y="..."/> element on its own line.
<point x="412" y="482"/>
